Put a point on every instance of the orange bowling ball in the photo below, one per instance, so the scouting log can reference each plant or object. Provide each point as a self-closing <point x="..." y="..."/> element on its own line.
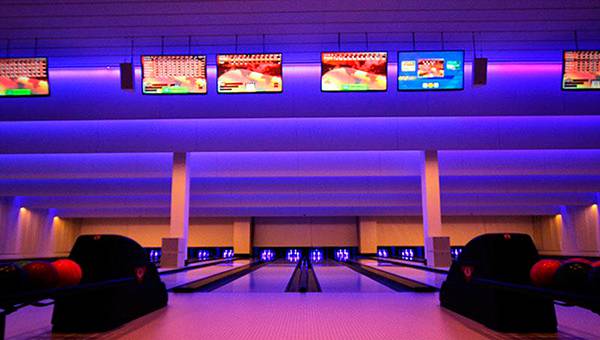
<point x="542" y="273"/>
<point x="69" y="272"/>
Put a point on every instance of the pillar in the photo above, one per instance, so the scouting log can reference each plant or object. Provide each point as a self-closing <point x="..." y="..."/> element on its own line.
<point x="367" y="233"/>
<point x="174" y="248"/>
<point x="437" y="246"/>
<point x="242" y="237"/>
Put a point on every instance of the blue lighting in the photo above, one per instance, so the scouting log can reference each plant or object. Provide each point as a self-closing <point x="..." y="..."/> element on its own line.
<point x="342" y="255"/>
<point x="316" y="256"/>
<point x="407" y="254"/>
<point x="228" y="253"/>
<point x="203" y="254"/>
<point x="455" y="252"/>
<point x="267" y="255"/>
<point x="294" y="255"/>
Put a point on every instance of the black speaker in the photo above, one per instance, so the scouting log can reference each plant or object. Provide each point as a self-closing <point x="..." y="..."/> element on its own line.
<point x="127" y="76"/>
<point x="480" y="71"/>
<point x="103" y="258"/>
<point x="504" y="258"/>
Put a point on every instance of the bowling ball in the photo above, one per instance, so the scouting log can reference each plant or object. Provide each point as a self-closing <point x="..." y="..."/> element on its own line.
<point x="572" y="275"/>
<point x="22" y="263"/>
<point x="542" y="273"/>
<point x="12" y="278"/>
<point x="594" y="279"/>
<point x="41" y="275"/>
<point x="69" y="272"/>
<point x="580" y="260"/>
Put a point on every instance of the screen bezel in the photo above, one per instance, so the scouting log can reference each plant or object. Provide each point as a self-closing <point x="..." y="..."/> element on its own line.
<point x="31" y="95"/>
<point x="562" y="75"/>
<point x="261" y="92"/>
<point x="387" y="61"/>
<point x="429" y="90"/>
<point x="174" y="55"/>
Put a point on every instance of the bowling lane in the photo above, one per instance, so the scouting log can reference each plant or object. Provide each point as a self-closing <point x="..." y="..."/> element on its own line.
<point x="420" y="275"/>
<point x="336" y="278"/>
<point x="272" y="278"/>
<point x="176" y="279"/>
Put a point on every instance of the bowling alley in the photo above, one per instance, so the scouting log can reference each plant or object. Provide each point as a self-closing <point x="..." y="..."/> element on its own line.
<point x="303" y="170"/>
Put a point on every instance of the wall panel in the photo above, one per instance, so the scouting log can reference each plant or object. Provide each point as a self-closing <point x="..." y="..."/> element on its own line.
<point x="305" y="232"/>
<point x="408" y="230"/>
<point x="204" y="232"/>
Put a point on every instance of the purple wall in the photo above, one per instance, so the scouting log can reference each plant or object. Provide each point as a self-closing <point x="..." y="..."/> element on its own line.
<point x="513" y="89"/>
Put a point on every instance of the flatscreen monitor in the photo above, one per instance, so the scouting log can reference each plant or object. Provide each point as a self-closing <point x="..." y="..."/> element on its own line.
<point x="174" y="74"/>
<point x="249" y="73"/>
<point x="24" y="77"/>
<point x="430" y="70"/>
<point x="581" y="70"/>
<point x="353" y="71"/>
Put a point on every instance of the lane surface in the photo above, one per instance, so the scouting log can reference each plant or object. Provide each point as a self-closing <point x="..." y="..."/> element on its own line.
<point x="176" y="279"/>
<point x="336" y="278"/>
<point x="272" y="278"/>
<point x="426" y="277"/>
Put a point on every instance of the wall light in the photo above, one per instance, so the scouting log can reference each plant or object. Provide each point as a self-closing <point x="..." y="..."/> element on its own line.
<point x="22" y="209"/>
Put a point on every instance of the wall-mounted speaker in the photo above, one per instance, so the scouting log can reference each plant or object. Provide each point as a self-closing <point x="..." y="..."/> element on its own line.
<point x="480" y="71"/>
<point x="127" y="76"/>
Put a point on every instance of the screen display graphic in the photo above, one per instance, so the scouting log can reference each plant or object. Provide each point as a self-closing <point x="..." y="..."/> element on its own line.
<point x="581" y="70"/>
<point x="24" y="77"/>
<point x="430" y="70"/>
<point x="353" y="71"/>
<point x="174" y="74"/>
<point x="249" y="73"/>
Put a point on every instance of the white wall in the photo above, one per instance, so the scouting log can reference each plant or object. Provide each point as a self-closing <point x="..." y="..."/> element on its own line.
<point x="33" y="233"/>
<point x="408" y="230"/>
<point x="305" y="232"/>
<point x="204" y="232"/>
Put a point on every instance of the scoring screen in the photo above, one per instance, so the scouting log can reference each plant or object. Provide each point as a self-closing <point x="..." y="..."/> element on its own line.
<point x="249" y="73"/>
<point x="353" y="71"/>
<point x="24" y="77"/>
<point x="581" y="70"/>
<point x="174" y="74"/>
<point x="430" y="70"/>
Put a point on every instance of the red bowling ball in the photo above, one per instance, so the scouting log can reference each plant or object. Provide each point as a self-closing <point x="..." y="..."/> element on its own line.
<point x="69" y="272"/>
<point x="542" y="273"/>
<point x="41" y="275"/>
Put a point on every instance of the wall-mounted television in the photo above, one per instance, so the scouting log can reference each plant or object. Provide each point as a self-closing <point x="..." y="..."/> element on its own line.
<point x="353" y="71"/>
<point x="174" y="74"/>
<point x="431" y="70"/>
<point x="249" y="73"/>
<point x="581" y="70"/>
<point x="24" y="77"/>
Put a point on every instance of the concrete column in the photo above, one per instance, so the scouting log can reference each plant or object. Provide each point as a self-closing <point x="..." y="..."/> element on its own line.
<point x="174" y="250"/>
<point x="437" y="246"/>
<point x="581" y="232"/>
<point x="242" y="236"/>
<point x="367" y="234"/>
